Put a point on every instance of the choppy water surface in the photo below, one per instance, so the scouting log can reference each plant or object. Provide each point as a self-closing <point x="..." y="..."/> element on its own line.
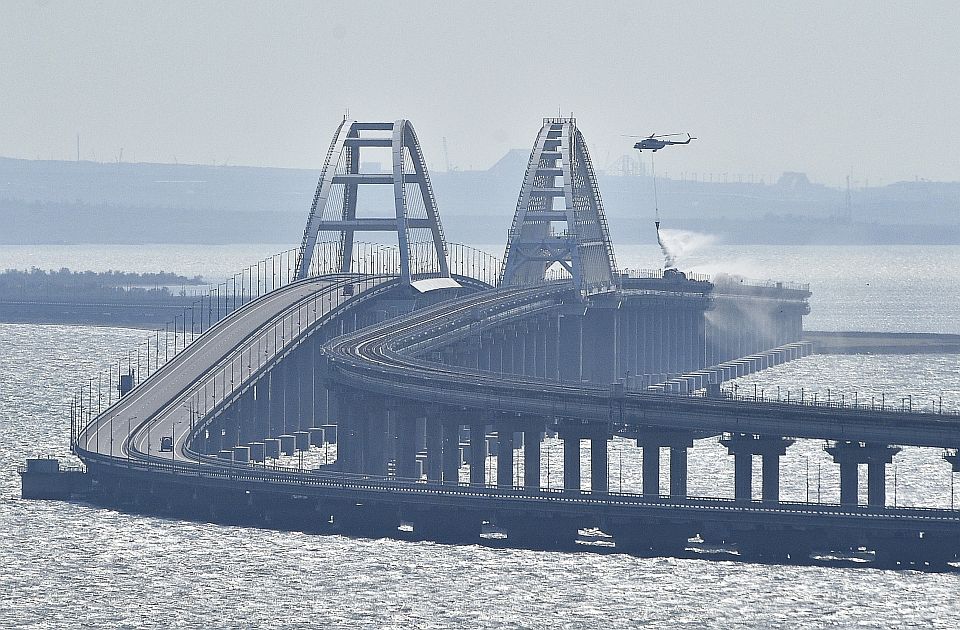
<point x="68" y="564"/>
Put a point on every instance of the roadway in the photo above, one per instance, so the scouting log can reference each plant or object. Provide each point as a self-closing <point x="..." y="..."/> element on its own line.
<point x="385" y="358"/>
<point x="212" y="369"/>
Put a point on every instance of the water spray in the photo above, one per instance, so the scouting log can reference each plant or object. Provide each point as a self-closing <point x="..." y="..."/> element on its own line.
<point x="669" y="259"/>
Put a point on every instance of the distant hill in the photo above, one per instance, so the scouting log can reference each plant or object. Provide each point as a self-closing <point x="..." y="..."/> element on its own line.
<point x="62" y="202"/>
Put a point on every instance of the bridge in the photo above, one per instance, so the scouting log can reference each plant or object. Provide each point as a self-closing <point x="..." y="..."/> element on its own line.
<point x="415" y="363"/>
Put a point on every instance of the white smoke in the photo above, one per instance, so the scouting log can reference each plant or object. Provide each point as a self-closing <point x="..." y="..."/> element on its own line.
<point x="676" y="244"/>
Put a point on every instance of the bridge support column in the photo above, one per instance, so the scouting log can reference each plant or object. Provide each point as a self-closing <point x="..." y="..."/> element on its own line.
<point x="600" y="344"/>
<point x="570" y="346"/>
<point x="650" y="470"/>
<point x="531" y="456"/>
<point x="550" y="338"/>
<point x="451" y="450"/>
<point x="478" y="452"/>
<point x="571" y="462"/>
<point x="743" y="446"/>
<point x="406" y="449"/>
<point x="275" y="419"/>
<point x="374" y="437"/>
<point x="348" y="433"/>
<point x="599" y="478"/>
<point x="435" y="445"/>
<point x="652" y="439"/>
<point x="505" y="453"/>
<point x="849" y="455"/>
<point x="262" y="408"/>
<point x="571" y="431"/>
<point x="743" y="476"/>
<point x="244" y="414"/>
<point x="678" y="471"/>
<point x="291" y="391"/>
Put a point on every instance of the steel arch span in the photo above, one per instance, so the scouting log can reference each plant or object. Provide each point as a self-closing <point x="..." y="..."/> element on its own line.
<point x="415" y="218"/>
<point x="560" y="187"/>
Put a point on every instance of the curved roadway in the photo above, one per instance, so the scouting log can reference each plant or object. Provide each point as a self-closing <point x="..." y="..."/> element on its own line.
<point x="384" y="358"/>
<point x="212" y="368"/>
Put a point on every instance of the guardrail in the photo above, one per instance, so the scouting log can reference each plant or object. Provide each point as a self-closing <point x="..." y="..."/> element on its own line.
<point x="105" y="389"/>
<point x="298" y="477"/>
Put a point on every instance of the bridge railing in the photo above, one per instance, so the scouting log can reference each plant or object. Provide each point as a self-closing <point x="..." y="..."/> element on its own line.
<point x="658" y="274"/>
<point x="106" y="386"/>
<point x="305" y="477"/>
<point x="384" y="259"/>
<point x="883" y="403"/>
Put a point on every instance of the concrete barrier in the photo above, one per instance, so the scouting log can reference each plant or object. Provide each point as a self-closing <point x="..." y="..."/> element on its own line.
<point x="271" y="448"/>
<point x="288" y="444"/>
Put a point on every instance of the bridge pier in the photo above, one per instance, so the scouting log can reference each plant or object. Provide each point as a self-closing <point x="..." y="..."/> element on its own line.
<point x="244" y="412"/>
<point x="261" y="394"/>
<point x="275" y="421"/>
<point x="374" y="437"/>
<point x="652" y="439"/>
<point x="743" y="446"/>
<point x="570" y="345"/>
<point x="405" y="422"/>
<point x="435" y="444"/>
<point x="478" y="449"/>
<point x="571" y="431"/>
<point x="504" y="430"/>
<point x="599" y="464"/>
<point x="571" y="462"/>
<point x="849" y="455"/>
<point x="549" y="339"/>
<point x="599" y="343"/>
<point x="532" y="436"/>
<point x="291" y="391"/>
<point x="451" y="449"/>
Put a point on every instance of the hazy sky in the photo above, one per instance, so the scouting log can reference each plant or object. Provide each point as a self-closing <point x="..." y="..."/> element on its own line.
<point x="868" y="88"/>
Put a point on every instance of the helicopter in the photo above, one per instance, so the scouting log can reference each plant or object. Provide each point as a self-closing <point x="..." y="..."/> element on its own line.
<point x="654" y="143"/>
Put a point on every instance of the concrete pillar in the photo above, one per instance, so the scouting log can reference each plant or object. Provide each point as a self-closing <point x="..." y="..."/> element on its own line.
<point x="275" y="420"/>
<point x="451" y="450"/>
<point x="743" y="446"/>
<point x="291" y="392"/>
<point x="876" y="483"/>
<point x="434" y="440"/>
<point x="678" y="471"/>
<point x="570" y="344"/>
<point x="305" y="394"/>
<point x="599" y="478"/>
<point x="374" y="437"/>
<point x="599" y="345"/>
<point x="537" y="332"/>
<point x="271" y="448"/>
<point x="571" y="462"/>
<point x="302" y="440"/>
<point x="531" y="458"/>
<point x="288" y="444"/>
<point x="551" y="338"/>
<point x="261" y="413"/>
<point x="406" y="452"/>
<point x="743" y="476"/>
<point x="876" y="456"/>
<point x="505" y="454"/>
<point x="651" y="471"/>
<point x="849" y="482"/>
<point x="770" y="482"/>
<point x="530" y="363"/>
<point x="478" y="453"/>
<point x="244" y="414"/>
